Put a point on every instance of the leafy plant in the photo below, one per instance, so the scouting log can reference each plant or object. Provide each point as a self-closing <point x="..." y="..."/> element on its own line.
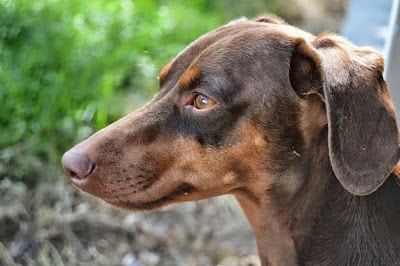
<point x="68" y="68"/>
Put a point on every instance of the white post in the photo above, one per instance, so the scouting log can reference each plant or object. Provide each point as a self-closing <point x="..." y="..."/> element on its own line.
<point x="392" y="57"/>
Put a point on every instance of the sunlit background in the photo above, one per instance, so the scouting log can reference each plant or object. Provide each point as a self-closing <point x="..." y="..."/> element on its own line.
<point x="69" y="68"/>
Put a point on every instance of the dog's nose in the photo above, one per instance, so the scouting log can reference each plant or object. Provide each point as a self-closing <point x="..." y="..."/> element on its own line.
<point x="76" y="164"/>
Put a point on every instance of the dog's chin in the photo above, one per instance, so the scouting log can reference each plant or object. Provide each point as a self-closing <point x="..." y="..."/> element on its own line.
<point x="138" y="206"/>
<point x="179" y="194"/>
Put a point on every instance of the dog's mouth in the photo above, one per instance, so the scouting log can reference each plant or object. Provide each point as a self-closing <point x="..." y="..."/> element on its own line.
<point x="176" y="195"/>
<point x="137" y="195"/>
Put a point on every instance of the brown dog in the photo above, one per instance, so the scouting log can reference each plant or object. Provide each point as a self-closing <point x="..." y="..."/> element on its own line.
<point x="299" y="128"/>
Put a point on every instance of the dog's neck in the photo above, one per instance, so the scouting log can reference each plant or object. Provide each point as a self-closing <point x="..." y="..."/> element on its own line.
<point x="355" y="230"/>
<point x="323" y="224"/>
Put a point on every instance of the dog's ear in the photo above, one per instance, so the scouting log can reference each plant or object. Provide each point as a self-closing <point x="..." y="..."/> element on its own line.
<point x="362" y="131"/>
<point x="270" y="18"/>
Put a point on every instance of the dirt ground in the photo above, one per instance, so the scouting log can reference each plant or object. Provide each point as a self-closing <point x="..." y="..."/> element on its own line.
<point x="59" y="225"/>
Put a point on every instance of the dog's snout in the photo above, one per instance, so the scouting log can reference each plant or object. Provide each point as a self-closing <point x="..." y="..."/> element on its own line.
<point x="77" y="164"/>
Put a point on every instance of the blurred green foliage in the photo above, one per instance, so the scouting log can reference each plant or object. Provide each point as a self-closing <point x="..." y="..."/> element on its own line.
<point x="68" y="68"/>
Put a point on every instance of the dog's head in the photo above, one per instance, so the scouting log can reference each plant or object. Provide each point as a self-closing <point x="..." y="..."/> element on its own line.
<point x="238" y="110"/>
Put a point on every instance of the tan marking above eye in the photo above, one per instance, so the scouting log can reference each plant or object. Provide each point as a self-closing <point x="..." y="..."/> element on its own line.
<point x="164" y="72"/>
<point x="202" y="102"/>
<point x="190" y="76"/>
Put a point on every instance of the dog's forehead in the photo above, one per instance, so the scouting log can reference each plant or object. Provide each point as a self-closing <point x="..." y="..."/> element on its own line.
<point x="241" y="33"/>
<point x="231" y="41"/>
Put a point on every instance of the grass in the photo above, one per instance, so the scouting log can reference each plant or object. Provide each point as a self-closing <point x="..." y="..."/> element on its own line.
<point x="68" y="68"/>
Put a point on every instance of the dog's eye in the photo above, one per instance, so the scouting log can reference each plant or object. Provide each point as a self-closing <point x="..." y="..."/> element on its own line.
<point x="202" y="102"/>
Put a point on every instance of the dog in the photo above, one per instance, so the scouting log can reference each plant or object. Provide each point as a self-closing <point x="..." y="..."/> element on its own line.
<point x="299" y="128"/>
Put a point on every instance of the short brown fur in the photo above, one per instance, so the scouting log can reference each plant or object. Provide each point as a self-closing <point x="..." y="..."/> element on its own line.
<point x="302" y="132"/>
<point x="190" y="76"/>
<point x="164" y="72"/>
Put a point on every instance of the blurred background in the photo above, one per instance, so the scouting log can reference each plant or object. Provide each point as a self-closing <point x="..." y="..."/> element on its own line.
<point x="69" y="68"/>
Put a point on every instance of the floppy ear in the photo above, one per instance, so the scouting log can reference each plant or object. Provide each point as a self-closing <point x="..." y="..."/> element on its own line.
<point x="270" y="18"/>
<point x="362" y="131"/>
